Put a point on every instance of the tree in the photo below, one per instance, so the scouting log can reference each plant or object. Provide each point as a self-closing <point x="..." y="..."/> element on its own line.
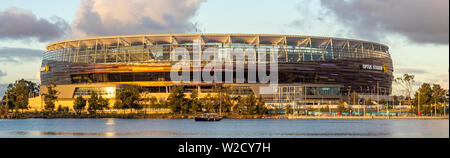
<point x="382" y="102"/>
<point x="163" y="103"/>
<point x="395" y="100"/>
<point x="275" y="111"/>
<point x="195" y="102"/>
<point x="32" y="87"/>
<point x="128" y="98"/>
<point x="401" y="100"/>
<point x="234" y="108"/>
<point x="158" y="103"/>
<point x="438" y="94"/>
<point x="152" y="102"/>
<point x="422" y="97"/>
<point x="50" y="97"/>
<point x="240" y="107"/>
<point x="340" y="109"/>
<point x="62" y="109"/>
<point x="79" y="104"/>
<point x="209" y="103"/>
<point x="3" y="109"/>
<point x="59" y="109"/>
<point x="289" y="110"/>
<point x="354" y="98"/>
<point x="222" y="101"/>
<point x="407" y="82"/>
<point x="341" y="101"/>
<point x="93" y="102"/>
<point x="17" y="94"/>
<point x="97" y="102"/>
<point x="21" y="93"/>
<point x="103" y="103"/>
<point x="249" y="104"/>
<point x="260" y="106"/>
<point x="324" y="109"/>
<point x="368" y="102"/>
<point x="8" y="98"/>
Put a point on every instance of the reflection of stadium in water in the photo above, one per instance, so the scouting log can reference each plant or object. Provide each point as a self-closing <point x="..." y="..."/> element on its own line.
<point x="310" y="69"/>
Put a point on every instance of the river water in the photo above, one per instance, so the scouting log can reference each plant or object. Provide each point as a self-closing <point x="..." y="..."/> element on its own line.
<point x="227" y="128"/>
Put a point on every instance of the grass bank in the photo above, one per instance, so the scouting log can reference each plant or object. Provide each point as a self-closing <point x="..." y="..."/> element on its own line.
<point x="56" y="115"/>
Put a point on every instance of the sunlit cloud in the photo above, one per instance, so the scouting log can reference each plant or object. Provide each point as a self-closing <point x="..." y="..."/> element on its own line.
<point x="119" y="17"/>
<point x="21" y="24"/>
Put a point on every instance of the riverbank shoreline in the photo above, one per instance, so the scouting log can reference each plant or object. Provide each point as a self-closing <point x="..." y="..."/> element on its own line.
<point x="169" y="116"/>
<point x="370" y="117"/>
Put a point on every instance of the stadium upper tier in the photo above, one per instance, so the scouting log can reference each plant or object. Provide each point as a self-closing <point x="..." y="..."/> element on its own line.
<point x="150" y="48"/>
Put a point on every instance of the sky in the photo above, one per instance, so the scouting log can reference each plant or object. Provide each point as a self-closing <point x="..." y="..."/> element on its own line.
<point x="415" y="30"/>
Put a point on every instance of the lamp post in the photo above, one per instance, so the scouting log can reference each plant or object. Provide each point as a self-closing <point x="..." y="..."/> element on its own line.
<point x="7" y="100"/>
<point x="444" y="110"/>
<point x="364" y="104"/>
<point x="418" y="104"/>
<point x="378" y="98"/>
<point x="320" y="105"/>
<point x="220" y="100"/>
<point x="329" y="108"/>
<point x="304" y="103"/>
<point x="435" y="108"/>
<point x="1" y="101"/>
<point x="348" y="93"/>
<point x="359" y="108"/>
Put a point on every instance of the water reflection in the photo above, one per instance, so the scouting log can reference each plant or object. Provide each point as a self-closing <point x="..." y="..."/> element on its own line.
<point x="110" y="126"/>
<point x="187" y="128"/>
<point x="169" y="133"/>
<point x="110" y="122"/>
<point x="108" y="134"/>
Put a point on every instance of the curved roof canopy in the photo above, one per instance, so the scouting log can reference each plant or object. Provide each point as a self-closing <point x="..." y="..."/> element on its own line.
<point x="252" y="39"/>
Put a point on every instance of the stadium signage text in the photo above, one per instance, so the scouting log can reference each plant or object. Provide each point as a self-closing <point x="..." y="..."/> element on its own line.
<point x="372" y="67"/>
<point x="46" y="68"/>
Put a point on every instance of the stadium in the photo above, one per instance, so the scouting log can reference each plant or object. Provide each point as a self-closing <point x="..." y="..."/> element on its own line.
<point x="311" y="70"/>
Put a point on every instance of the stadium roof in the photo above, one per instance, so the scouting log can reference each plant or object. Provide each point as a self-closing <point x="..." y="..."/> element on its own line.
<point x="253" y="39"/>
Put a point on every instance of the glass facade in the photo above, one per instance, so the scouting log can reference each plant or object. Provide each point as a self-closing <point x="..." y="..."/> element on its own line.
<point x="106" y="92"/>
<point x="146" y="59"/>
<point x="297" y="93"/>
<point x="161" y="53"/>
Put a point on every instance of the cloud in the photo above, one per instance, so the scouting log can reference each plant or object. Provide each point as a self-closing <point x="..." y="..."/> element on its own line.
<point x="118" y="17"/>
<point x="103" y="17"/>
<point x="37" y="75"/>
<point x="420" y="21"/>
<point x="2" y="74"/>
<point x="3" y="88"/>
<point x="16" y="23"/>
<point x="19" y="54"/>
<point x="441" y="79"/>
<point x="313" y="19"/>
